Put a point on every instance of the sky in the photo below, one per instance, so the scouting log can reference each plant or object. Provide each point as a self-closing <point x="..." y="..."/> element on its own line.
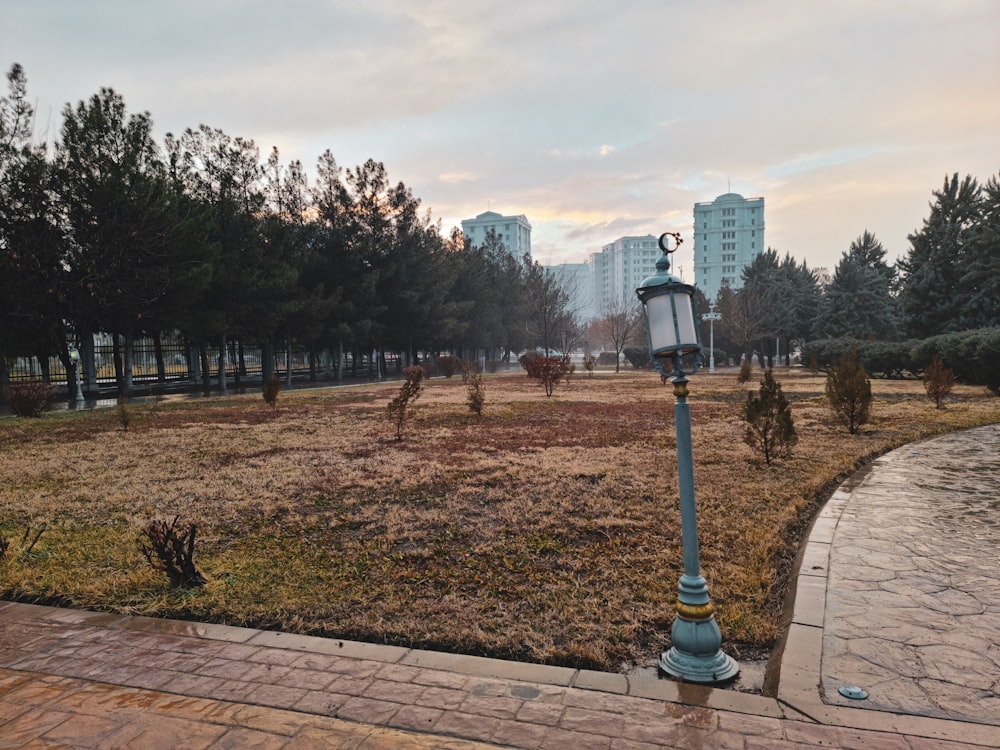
<point x="595" y="119"/>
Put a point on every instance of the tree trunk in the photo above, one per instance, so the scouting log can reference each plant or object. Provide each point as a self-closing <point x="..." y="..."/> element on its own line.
<point x="161" y="370"/>
<point x="223" y="390"/>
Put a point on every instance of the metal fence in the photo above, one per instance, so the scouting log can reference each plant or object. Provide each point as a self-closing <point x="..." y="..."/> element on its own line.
<point x="172" y="361"/>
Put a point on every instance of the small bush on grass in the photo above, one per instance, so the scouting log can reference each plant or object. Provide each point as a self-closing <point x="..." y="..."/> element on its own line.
<point x="769" y="427"/>
<point x="172" y="553"/>
<point x="399" y="407"/>
<point x="938" y="381"/>
<point x="589" y="364"/>
<point x="849" y="392"/>
<point x="271" y="390"/>
<point x="638" y="357"/>
<point x="548" y="370"/>
<point x="745" y="373"/>
<point x="476" y="398"/>
<point x="29" y="399"/>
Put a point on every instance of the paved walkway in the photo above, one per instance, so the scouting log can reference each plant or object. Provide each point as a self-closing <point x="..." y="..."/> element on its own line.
<point x="898" y="593"/>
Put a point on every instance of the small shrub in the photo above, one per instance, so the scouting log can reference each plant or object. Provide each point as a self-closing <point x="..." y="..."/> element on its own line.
<point x="271" y="390"/>
<point x="474" y="383"/>
<point x="849" y="392"/>
<point x="26" y="545"/>
<point x="570" y="369"/>
<point x="447" y="365"/>
<point x="638" y="356"/>
<point x="29" y="399"/>
<point x="399" y="407"/>
<point x="548" y="370"/>
<point x="745" y="373"/>
<point x="938" y="381"/>
<point x="528" y="359"/>
<point x="589" y="364"/>
<point x="769" y="427"/>
<point x="172" y="553"/>
<point x="124" y="412"/>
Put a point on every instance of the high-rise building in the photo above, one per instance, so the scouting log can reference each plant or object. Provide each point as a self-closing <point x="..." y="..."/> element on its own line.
<point x="513" y="231"/>
<point x="728" y="233"/>
<point x="619" y="268"/>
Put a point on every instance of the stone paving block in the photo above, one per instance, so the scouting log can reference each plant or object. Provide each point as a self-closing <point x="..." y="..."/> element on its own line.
<point x="163" y="733"/>
<point x="240" y="738"/>
<point x="348" y="685"/>
<point x="30" y="725"/>
<point x="521" y="734"/>
<point x="307" y="679"/>
<point x="417" y="718"/>
<point x="278" y="696"/>
<point x="535" y="712"/>
<point x="592" y="722"/>
<point x="82" y="730"/>
<point x="472" y="726"/>
<point x="338" y="665"/>
<point x="560" y="739"/>
<point x="756" y="726"/>
<point x="497" y="706"/>
<point x="397" y="692"/>
<point x="444" y="698"/>
<point x="851" y="739"/>
<point x="321" y="702"/>
<point x="368" y="710"/>
<point x="657" y="731"/>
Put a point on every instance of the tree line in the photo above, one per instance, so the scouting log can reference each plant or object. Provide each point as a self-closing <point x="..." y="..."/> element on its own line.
<point x="109" y="231"/>
<point x="949" y="281"/>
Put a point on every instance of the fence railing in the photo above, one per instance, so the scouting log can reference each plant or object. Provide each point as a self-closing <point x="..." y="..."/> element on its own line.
<point x="170" y="360"/>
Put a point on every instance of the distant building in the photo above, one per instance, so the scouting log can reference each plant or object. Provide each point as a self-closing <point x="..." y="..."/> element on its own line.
<point x="577" y="280"/>
<point x="620" y="268"/>
<point x="728" y="234"/>
<point x="609" y="278"/>
<point x="513" y="231"/>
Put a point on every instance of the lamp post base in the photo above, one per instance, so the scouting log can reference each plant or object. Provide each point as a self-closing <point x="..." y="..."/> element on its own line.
<point x="695" y="655"/>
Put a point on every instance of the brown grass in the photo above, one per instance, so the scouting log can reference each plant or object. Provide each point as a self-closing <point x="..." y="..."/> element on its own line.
<point x="546" y="529"/>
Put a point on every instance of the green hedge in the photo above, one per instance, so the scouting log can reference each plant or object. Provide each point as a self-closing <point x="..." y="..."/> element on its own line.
<point x="974" y="356"/>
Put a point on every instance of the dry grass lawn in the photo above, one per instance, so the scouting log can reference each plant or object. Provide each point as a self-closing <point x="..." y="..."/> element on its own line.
<point x="545" y="530"/>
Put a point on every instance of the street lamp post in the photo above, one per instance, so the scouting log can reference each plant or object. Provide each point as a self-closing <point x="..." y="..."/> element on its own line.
<point x="74" y="357"/>
<point x="674" y="344"/>
<point x="711" y="317"/>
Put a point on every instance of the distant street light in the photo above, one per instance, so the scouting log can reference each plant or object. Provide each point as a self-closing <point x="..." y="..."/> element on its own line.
<point x="675" y="347"/>
<point x="711" y="317"/>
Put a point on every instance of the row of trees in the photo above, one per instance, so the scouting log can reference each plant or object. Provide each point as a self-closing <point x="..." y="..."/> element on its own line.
<point x="110" y="231"/>
<point x="949" y="281"/>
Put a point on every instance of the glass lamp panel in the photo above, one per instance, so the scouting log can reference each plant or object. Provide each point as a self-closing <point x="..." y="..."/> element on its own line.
<point x="660" y="319"/>
<point x="685" y="319"/>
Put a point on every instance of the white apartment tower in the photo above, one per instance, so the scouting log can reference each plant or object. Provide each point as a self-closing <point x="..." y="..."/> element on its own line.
<point x="513" y="231"/>
<point x="728" y="233"/>
<point x="620" y="268"/>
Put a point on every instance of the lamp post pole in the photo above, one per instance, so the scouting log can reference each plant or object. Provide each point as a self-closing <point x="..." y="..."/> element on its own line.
<point x="711" y="317"/>
<point x="671" y="326"/>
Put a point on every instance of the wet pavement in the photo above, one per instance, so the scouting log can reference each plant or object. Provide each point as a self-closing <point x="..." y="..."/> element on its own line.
<point x="898" y="593"/>
<point x="913" y="597"/>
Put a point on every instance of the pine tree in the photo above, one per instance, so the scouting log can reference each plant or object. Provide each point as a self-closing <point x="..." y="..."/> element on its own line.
<point x="769" y="427"/>
<point x="932" y="292"/>
<point x="849" y="392"/>
<point x="858" y="302"/>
